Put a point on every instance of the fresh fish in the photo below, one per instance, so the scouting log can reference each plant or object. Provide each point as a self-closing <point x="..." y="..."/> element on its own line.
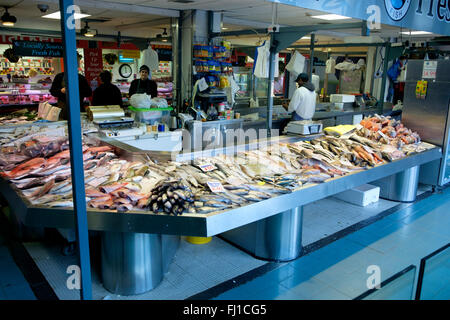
<point x="133" y="186"/>
<point x="103" y="198"/>
<point x="93" y="193"/>
<point x="317" y="178"/>
<point x="98" y="181"/>
<point x="204" y="210"/>
<point x="133" y="196"/>
<point x="101" y="204"/>
<point x="24" y="168"/>
<point x="43" y="190"/>
<point x="215" y="204"/>
<point x="107" y="188"/>
<point x="121" y="207"/>
<point x="61" y="203"/>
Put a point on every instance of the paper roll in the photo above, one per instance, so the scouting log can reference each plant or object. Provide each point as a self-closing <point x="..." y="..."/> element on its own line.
<point x="104" y="112"/>
<point x="97" y="115"/>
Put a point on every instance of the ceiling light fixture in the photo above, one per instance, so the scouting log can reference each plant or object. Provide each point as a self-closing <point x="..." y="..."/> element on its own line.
<point x="57" y="15"/>
<point x="7" y="19"/>
<point x="88" y="32"/>
<point x="330" y="17"/>
<point x="415" y="33"/>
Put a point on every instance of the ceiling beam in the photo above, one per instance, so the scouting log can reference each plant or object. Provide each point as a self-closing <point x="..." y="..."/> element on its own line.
<point x="148" y="23"/>
<point x="113" y="6"/>
<point x="57" y="34"/>
<point x="247" y="23"/>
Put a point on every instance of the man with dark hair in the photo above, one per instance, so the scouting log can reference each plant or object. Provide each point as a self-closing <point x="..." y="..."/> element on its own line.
<point x="303" y="102"/>
<point x="144" y="84"/>
<point x="58" y="90"/>
<point x="107" y="93"/>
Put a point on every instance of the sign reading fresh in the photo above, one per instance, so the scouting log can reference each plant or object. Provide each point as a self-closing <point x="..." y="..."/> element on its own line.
<point x="37" y="49"/>
<point x="421" y="15"/>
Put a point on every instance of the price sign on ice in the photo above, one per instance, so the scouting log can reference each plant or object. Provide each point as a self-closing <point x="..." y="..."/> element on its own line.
<point x="215" y="186"/>
<point x="207" y="167"/>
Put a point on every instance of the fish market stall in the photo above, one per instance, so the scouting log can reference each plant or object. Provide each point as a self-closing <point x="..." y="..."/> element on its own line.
<point x="252" y="194"/>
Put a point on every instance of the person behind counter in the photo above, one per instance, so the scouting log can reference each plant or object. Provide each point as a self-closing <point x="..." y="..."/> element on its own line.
<point x="303" y="102"/>
<point x="144" y="84"/>
<point x="107" y="93"/>
<point x="58" y="90"/>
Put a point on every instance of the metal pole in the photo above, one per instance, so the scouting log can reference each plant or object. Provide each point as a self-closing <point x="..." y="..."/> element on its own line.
<point x="270" y="88"/>
<point x="384" y="77"/>
<point x="67" y="10"/>
<point x="311" y="62"/>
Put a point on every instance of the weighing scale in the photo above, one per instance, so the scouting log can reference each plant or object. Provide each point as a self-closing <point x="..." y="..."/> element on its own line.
<point x="120" y="127"/>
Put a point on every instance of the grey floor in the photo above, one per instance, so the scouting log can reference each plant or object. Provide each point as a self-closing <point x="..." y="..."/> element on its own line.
<point x="196" y="268"/>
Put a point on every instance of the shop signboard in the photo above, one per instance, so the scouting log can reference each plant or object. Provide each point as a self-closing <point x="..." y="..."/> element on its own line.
<point x="93" y="65"/>
<point x="37" y="49"/>
<point x="422" y="15"/>
<point x="8" y="38"/>
<point x="132" y="54"/>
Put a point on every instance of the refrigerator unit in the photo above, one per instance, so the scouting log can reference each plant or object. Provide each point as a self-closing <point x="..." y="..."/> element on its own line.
<point x="430" y="117"/>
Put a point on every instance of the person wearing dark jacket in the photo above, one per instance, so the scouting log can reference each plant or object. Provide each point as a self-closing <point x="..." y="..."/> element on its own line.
<point x="58" y="90"/>
<point x="144" y="84"/>
<point x="107" y="93"/>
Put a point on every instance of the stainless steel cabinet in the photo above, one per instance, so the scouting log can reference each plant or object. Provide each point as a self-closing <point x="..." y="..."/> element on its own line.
<point x="430" y="117"/>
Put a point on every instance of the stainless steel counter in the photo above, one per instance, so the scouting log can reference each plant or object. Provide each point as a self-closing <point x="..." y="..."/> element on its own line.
<point x="210" y="224"/>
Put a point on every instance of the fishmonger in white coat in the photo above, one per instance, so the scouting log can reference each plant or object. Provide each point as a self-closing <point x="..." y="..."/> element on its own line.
<point x="303" y="102"/>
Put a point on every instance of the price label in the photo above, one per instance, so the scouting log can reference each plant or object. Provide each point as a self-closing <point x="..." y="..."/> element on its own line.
<point x="429" y="70"/>
<point x="207" y="167"/>
<point x="215" y="186"/>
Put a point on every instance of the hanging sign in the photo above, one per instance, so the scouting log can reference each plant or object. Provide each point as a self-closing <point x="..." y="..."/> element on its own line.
<point x="93" y="65"/>
<point x="37" y="49"/>
<point x="422" y="15"/>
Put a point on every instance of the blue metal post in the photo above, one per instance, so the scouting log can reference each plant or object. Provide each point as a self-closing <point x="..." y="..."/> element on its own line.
<point x="75" y="139"/>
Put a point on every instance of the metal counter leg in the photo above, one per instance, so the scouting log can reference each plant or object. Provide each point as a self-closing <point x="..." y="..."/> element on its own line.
<point x="277" y="238"/>
<point x="401" y="187"/>
<point x="134" y="263"/>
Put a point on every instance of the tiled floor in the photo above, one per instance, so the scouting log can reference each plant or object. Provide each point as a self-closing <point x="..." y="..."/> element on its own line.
<point x="336" y="271"/>
<point x="13" y="285"/>
<point x="339" y="270"/>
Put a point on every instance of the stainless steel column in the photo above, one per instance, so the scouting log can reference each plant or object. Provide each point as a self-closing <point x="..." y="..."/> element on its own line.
<point x="277" y="238"/>
<point x="134" y="263"/>
<point x="400" y="187"/>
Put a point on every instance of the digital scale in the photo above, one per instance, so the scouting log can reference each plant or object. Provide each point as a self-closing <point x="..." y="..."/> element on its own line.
<point x="120" y="127"/>
<point x="119" y="122"/>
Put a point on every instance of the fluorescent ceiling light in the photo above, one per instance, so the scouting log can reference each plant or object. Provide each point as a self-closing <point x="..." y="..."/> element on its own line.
<point x="224" y="28"/>
<point x="57" y="15"/>
<point x="330" y="17"/>
<point x="415" y="33"/>
<point x="305" y="38"/>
